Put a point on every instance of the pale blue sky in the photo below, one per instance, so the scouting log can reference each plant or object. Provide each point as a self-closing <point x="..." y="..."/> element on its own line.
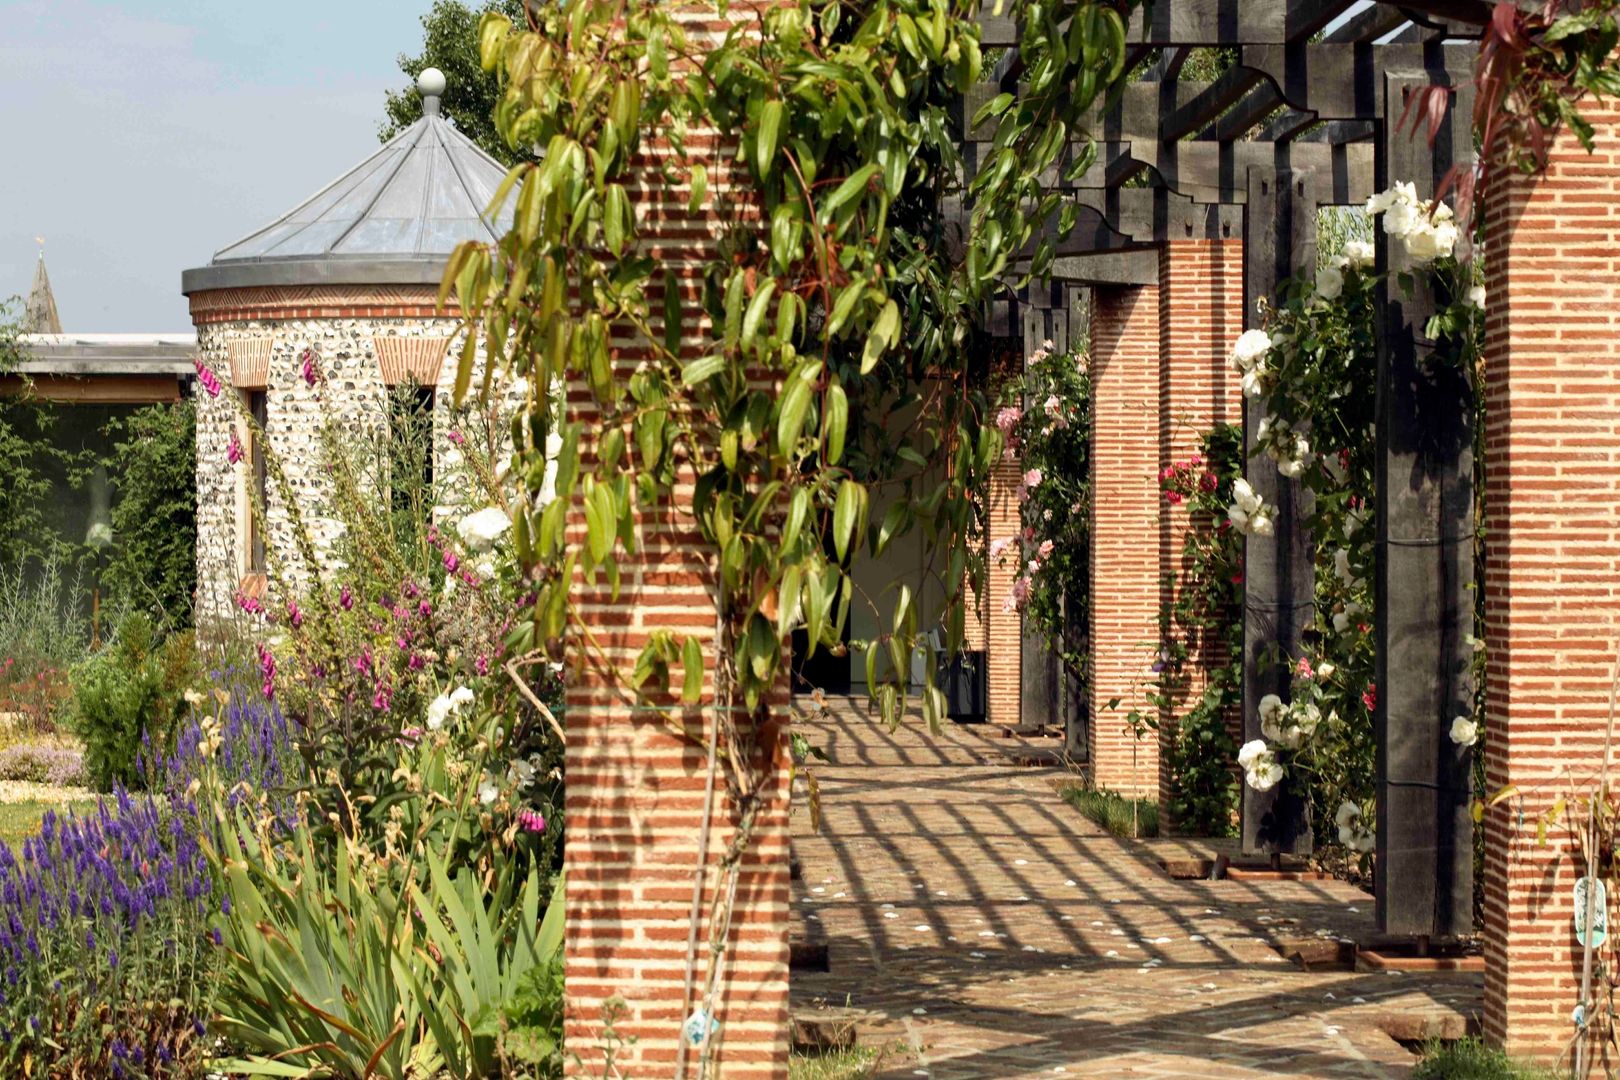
<point x="140" y="137"/>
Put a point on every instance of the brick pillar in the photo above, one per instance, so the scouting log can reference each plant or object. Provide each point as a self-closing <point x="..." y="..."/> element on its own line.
<point x="1200" y="316"/>
<point x="1003" y="627"/>
<point x="1552" y="489"/>
<point x="636" y="791"/>
<point x="1125" y="531"/>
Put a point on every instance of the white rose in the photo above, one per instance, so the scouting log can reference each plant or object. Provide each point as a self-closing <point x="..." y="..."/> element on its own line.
<point x="1243" y="491"/>
<point x="1252" y="385"/>
<point x="1400" y="219"/>
<point x="1423" y="243"/>
<point x="1476" y="297"/>
<point x="1262" y="429"/>
<point x="1341" y="567"/>
<point x="1271" y="708"/>
<point x="1252" y="752"/>
<point x="1306" y="718"/>
<point x="438" y="711"/>
<point x="488" y="792"/>
<point x="1358" y="253"/>
<point x="1238" y="517"/>
<point x="1378" y="202"/>
<point x="1364" y="842"/>
<point x="1329" y="283"/>
<point x="1341" y="621"/>
<point x="1261" y="525"/>
<point x="1293" y="468"/>
<point x="1251" y="345"/>
<point x="461" y="697"/>
<point x="1348" y="814"/>
<point x="1464" y="731"/>
<point x="480" y="531"/>
<point x="1326" y="669"/>
<point x="1264" y="777"/>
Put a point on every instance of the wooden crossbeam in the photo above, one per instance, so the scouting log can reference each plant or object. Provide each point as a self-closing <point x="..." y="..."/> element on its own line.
<point x="1369" y="25"/>
<point x="1214" y="100"/>
<point x="1233" y="124"/>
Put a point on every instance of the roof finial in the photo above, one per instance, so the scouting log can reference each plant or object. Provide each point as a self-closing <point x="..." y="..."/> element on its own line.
<point x="430" y="84"/>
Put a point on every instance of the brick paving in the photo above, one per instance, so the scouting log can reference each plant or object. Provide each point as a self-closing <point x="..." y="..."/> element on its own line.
<point x="973" y="917"/>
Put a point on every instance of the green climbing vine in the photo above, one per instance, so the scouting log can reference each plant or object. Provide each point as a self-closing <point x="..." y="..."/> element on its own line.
<point x="802" y="383"/>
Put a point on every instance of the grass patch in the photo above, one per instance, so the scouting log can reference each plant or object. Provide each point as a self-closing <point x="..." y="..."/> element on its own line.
<point x="856" y="1063"/>
<point x="20" y="820"/>
<point x="1471" y="1059"/>
<point x="1114" y="812"/>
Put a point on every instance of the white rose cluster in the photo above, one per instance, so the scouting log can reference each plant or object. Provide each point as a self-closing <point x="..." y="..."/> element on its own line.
<point x="1465" y="731"/>
<point x="1249" y="513"/>
<point x="1288" y="725"/>
<point x="1249" y="360"/>
<point x="1427" y="231"/>
<point x="1357" y="255"/>
<point x="447" y="705"/>
<point x="1290" y="449"/>
<point x="480" y="531"/>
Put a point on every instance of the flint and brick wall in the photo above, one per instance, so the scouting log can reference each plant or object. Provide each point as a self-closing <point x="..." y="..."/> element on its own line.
<point x="1200" y="316"/>
<point x="258" y="335"/>
<point x="1552" y="571"/>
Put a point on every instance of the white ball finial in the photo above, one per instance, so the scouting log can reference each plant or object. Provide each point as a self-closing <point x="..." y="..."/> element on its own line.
<point x="431" y="82"/>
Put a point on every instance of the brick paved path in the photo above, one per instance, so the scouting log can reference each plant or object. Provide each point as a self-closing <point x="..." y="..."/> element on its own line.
<point x="974" y="917"/>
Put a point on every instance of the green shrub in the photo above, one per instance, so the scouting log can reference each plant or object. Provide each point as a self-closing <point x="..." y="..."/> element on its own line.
<point x="128" y="697"/>
<point x="1471" y="1059"/>
<point x="1114" y="812"/>
<point x="153" y="562"/>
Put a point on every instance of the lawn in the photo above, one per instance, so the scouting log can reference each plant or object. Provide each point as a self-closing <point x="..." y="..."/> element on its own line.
<point x="1115" y="812"/>
<point x="20" y="820"/>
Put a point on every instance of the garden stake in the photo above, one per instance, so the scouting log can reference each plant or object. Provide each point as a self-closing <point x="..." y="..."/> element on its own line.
<point x="1582" y="1065"/>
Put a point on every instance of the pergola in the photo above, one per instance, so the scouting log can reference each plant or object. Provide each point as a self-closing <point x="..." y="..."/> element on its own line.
<point x="1310" y="114"/>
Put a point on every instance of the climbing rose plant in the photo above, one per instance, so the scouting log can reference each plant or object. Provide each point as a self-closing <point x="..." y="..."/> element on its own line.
<point x="1045" y="422"/>
<point x="1312" y="366"/>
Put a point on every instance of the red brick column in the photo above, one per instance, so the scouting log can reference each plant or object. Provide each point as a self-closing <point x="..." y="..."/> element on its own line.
<point x="1200" y="316"/>
<point x="1003" y="626"/>
<point x="1552" y="572"/>
<point x="636" y="790"/>
<point x="1125" y="531"/>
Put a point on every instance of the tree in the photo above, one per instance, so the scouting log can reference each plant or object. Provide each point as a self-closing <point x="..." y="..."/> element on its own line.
<point x="450" y="43"/>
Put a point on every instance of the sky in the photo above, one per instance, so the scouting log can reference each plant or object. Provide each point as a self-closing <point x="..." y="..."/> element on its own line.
<point x="141" y="137"/>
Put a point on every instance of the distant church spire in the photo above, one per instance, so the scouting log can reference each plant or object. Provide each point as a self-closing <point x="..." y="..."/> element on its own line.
<point x="40" y="317"/>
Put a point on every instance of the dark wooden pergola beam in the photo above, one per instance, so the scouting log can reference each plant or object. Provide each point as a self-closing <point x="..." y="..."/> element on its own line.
<point x="1259" y="103"/>
<point x="1219" y="96"/>
<point x="1288" y="126"/>
<point x="1366" y="26"/>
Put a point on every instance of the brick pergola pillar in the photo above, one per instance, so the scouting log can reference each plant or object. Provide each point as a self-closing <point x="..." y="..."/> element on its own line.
<point x="1552" y="578"/>
<point x="636" y="788"/>
<point x="1200" y="316"/>
<point x="1125" y="382"/>
<point x="1003" y="626"/>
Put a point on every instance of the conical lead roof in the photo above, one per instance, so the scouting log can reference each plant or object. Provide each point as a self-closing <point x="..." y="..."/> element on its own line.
<point x="392" y="219"/>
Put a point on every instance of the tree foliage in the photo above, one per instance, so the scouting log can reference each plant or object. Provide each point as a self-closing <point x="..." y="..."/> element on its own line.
<point x="450" y="43"/>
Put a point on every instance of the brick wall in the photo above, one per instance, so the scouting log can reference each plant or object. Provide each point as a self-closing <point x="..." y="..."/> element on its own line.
<point x="1552" y="571"/>
<point x="635" y="790"/>
<point x="1200" y="316"/>
<point x="1002" y="629"/>
<point x="1125" y="453"/>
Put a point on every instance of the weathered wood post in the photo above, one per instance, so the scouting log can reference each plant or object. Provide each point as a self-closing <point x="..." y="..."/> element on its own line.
<point x="1279" y="235"/>
<point x="1424" y="582"/>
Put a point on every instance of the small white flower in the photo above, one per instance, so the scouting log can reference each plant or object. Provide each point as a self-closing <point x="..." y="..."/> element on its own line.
<point x="1264" y="777"/>
<point x="1293" y="468"/>
<point x="1252" y="752"/>
<point x="1348" y="814"/>
<point x="1464" y="731"/>
<point x="1341" y="622"/>
<point x="1271" y="712"/>
<point x="1251" y="346"/>
<point x="1261" y="524"/>
<point x="1329" y="283"/>
<point x="1253" y="382"/>
<point x="1307" y="718"/>
<point x="488" y="792"/>
<point x="438" y="711"/>
<point x="461" y="697"/>
<point x="1476" y="297"/>
<point x="480" y="531"/>
<point x="1326" y="669"/>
